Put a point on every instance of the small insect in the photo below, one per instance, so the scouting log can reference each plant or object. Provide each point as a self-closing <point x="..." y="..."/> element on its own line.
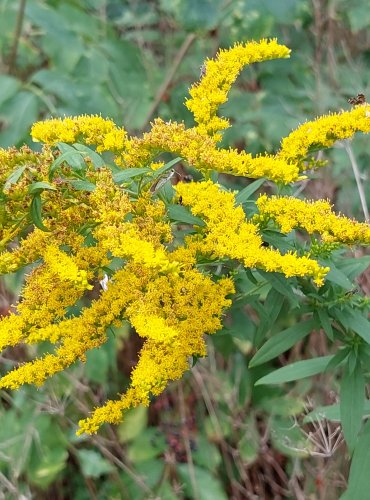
<point x="203" y="70"/>
<point x="359" y="99"/>
<point x="352" y="292"/>
<point x="104" y="282"/>
<point x="187" y="178"/>
<point x="156" y="186"/>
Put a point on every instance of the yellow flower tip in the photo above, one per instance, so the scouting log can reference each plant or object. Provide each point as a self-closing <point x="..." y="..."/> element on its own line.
<point x="319" y="280"/>
<point x="219" y="75"/>
<point x="171" y="267"/>
<point x="95" y="130"/>
<point x="323" y="132"/>
<point x="156" y="165"/>
<point x="153" y="327"/>
<point x="87" y="426"/>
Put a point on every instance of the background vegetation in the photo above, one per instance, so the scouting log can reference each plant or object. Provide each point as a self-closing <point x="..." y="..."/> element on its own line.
<point x="214" y="434"/>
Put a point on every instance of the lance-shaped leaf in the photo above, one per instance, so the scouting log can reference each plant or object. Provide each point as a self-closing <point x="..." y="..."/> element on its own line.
<point x="282" y="342"/>
<point x="296" y="371"/>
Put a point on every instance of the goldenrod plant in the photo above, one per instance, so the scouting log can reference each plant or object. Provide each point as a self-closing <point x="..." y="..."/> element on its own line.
<point x="104" y="220"/>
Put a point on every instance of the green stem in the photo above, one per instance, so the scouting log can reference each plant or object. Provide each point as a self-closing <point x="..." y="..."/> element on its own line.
<point x="17" y="34"/>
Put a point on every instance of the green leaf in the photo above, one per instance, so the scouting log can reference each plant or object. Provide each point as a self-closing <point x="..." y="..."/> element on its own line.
<point x="360" y="325"/>
<point x="273" y="304"/>
<point x="352" y="360"/>
<point x="359" y="479"/>
<point x="359" y="17"/>
<point x="37" y="187"/>
<point x="338" y="277"/>
<point x="178" y="213"/>
<point x="36" y="212"/>
<point x="93" y="464"/>
<point x="14" y="177"/>
<point x="49" y="451"/>
<point x="80" y="185"/>
<point x="133" y="424"/>
<point x="287" y="438"/>
<point x="281" y="285"/>
<point x="129" y="173"/>
<point x="70" y="156"/>
<point x="338" y="359"/>
<point x="284" y="406"/>
<point x="296" y="371"/>
<point x="220" y="429"/>
<point x="206" y="454"/>
<point x="282" y="342"/>
<point x="149" y="444"/>
<point x="20" y="112"/>
<point x="247" y="192"/>
<point x="277" y="240"/>
<point x="63" y="47"/>
<point x="352" y="394"/>
<point x="249" y="449"/>
<point x="325" y="322"/>
<point x="75" y="160"/>
<point x="151" y="473"/>
<point x="354" y="267"/>
<point x="96" y="159"/>
<point x="199" y="483"/>
<point x="355" y="321"/>
<point x="14" y="433"/>
<point x="165" y="491"/>
<point x="194" y="15"/>
<point x="97" y="366"/>
<point x="45" y="470"/>
<point x="47" y="18"/>
<point x="166" y="167"/>
<point x="332" y="412"/>
<point x="9" y="87"/>
<point x="268" y="314"/>
<point x="127" y="80"/>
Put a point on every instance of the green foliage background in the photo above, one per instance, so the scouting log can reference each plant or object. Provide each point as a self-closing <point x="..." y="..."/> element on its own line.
<point x="214" y="434"/>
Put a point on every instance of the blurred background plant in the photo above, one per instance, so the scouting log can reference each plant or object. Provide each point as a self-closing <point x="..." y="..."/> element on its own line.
<point x="214" y="434"/>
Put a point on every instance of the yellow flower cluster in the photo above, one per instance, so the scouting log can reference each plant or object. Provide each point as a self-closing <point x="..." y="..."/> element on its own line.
<point x="45" y="298"/>
<point x="171" y="304"/>
<point x="139" y="240"/>
<point x="64" y="266"/>
<point x="125" y="232"/>
<point x="314" y="217"/>
<point x="219" y="75"/>
<point x="228" y="234"/>
<point x="323" y="133"/>
<point x="32" y="167"/>
<point x="173" y="313"/>
<point x="201" y="152"/>
<point x="102" y="133"/>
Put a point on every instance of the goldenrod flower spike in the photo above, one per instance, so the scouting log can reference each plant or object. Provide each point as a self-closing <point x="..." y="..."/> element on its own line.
<point x="218" y="76"/>
<point x="94" y="130"/>
<point x="229" y="234"/>
<point x="314" y="217"/>
<point x="201" y="152"/>
<point x="323" y="132"/>
<point x="193" y="304"/>
<point x="65" y="267"/>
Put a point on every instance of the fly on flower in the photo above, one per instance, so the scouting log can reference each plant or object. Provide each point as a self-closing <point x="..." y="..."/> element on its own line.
<point x="203" y="70"/>
<point x="359" y="99"/>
